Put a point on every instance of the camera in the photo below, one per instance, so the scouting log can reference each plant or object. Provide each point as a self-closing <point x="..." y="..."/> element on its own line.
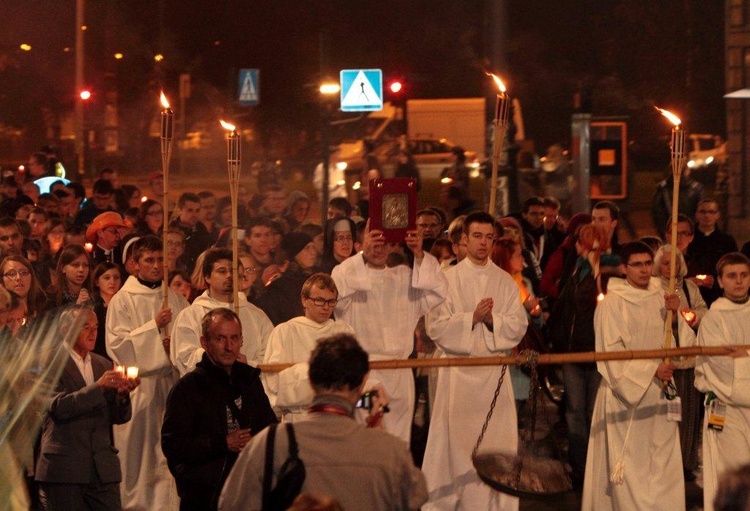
<point x="366" y="400"/>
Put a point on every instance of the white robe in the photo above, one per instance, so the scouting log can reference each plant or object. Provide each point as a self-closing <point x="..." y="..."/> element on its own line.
<point x="633" y="319"/>
<point x="289" y="391"/>
<point x="464" y="394"/>
<point x="383" y="307"/>
<point x="134" y="340"/>
<point x="186" y="351"/>
<point x="726" y="323"/>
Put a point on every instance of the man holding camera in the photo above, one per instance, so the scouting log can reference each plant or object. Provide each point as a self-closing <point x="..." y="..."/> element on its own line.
<point x="363" y="468"/>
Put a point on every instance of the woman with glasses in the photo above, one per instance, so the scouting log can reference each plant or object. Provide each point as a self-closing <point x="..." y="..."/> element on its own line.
<point x="340" y="235"/>
<point x="150" y="218"/>
<point x="19" y="278"/>
<point x="107" y="281"/>
<point x="72" y="277"/>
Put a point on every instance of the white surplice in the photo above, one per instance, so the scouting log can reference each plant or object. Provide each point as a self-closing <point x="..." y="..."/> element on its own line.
<point x="464" y="394"/>
<point x="289" y="391"/>
<point x="186" y="350"/>
<point x="726" y="323"/>
<point x="633" y="319"/>
<point x="134" y="340"/>
<point x="383" y="306"/>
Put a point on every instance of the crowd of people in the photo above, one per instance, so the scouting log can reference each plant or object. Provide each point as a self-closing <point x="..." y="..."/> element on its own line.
<point x="462" y="284"/>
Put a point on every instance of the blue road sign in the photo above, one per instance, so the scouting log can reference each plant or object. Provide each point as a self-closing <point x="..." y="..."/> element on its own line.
<point x="361" y="90"/>
<point x="248" y="87"/>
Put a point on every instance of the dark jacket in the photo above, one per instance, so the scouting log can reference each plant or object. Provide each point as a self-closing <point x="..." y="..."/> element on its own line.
<point x="193" y="436"/>
<point x="197" y="239"/>
<point x="281" y="301"/>
<point x="702" y="255"/>
<point x="76" y="444"/>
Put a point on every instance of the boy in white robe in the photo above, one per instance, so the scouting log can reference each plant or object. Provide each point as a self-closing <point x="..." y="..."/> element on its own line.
<point x="632" y="441"/>
<point x="383" y="306"/>
<point x="726" y="380"/>
<point x="481" y="316"/>
<point x="135" y="322"/>
<point x="289" y="391"/>
<point x="186" y="348"/>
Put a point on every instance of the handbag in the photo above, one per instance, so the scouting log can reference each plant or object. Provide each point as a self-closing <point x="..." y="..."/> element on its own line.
<point x="291" y="475"/>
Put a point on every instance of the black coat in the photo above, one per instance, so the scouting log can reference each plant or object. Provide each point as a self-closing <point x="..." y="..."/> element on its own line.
<point x="194" y="433"/>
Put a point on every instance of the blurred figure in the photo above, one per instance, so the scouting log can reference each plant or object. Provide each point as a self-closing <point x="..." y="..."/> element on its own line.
<point x="179" y="282"/>
<point x="107" y="281"/>
<point x="557" y="177"/>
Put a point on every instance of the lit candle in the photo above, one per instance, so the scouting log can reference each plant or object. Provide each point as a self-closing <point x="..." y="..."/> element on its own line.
<point x="89" y="247"/>
<point x="502" y="102"/>
<point x="167" y="119"/>
<point x="120" y="370"/>
<point x="502" y="110"/>
<point x="144" y="198"/>
<point x="132" y="372"/>
<point x="600" y="297"/>
<point x="701" y="277"/>
<point x="689" y="316"/>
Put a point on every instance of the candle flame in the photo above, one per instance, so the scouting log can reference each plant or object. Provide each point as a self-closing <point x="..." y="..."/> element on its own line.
<point x="227" y="126"/>
<point x="163" y="100"/>
<point x="669" y="115"/>
<point x="498" y="82"/>
<point x="600" y="297"/>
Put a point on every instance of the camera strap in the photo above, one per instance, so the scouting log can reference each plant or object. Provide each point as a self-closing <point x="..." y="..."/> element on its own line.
<point x="330" y="409"/>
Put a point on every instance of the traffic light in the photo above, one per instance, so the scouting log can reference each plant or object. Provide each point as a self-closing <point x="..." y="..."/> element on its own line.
<point x="396" y="86"/>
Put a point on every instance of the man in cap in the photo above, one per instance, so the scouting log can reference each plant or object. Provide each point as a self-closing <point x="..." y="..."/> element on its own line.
<point x="105" y="233"/>
<point x="216" y="272"/>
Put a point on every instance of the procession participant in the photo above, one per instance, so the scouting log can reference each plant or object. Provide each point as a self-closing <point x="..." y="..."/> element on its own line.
<point x="634" y="457"/>
<point x="10" y="237"/>
<point x="197" y="238"/>
<point x="19" y="278"/>
<point x="363" y="468"/>
<point x="212" y="413"/>
<point x="106" y="233"/>
<point x="186" y="350"/>
<point x="299" y="257"/>
<point x="135" y="322"/>
<point x="292" y="342"/>
<point x="207" y="215"/>
<point x="726" y="427"/>
<point x="338" y="243"/>
<point x="78" y="466"/>
<point x="383" y="306"/>
<point x="481" y="316"/>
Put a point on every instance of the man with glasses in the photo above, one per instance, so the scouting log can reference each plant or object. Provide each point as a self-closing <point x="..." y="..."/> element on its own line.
<point x="106" y="233"/>
<point x="186" y="350"/>
<point x="289" y="391"/>
<point x="634" y="459"/>
<point x="429" y="224"/>
<point x="708" y="246"/>
<point x="481" y="316"/>
<point x="10" y="237"/>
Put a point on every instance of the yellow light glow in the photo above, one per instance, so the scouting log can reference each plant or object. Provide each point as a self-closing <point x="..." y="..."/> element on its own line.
<point x="330" y="88"/>
<point x="227" y="126"/>
<point x="669" y="115"/>
<point x="600" y="297"/>
<point x="357" y="185"/>
<point x="67" y="49"/>
<point x="163" y="100"/>
<point x="84" y="27"/>
<point x="25" y="47"/>
<point x="341" y="182"/>
<point x="118" y="56"/>
<point x="446" y="181"/>
<point x="144" y="198"/>
<point x="498" y="82"/>
<point x="158" y="57"/>
<point x="341" y="165"/>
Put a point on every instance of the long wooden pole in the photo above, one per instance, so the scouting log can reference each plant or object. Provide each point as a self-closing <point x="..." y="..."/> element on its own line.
<point x="234" y="164"/>
<point x="167" y="131"/>
<point x="544" y="359"/>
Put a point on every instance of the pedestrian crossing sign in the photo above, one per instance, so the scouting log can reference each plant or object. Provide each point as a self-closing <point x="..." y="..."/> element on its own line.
<point x="248" y="91"/>
<point x="361" y="90"/>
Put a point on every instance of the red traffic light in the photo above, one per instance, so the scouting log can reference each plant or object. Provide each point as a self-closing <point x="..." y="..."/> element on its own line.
<point x="396" y="86"/>
<point x="85" y="95"/>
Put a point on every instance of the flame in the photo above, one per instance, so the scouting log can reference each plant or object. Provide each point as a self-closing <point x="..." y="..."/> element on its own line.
<point x="600" y="297"/>
<point x="163" y="100"/>
<point x="669" y="115"/>
<point x="227" y="126"/>
<point x="498" y="82"/>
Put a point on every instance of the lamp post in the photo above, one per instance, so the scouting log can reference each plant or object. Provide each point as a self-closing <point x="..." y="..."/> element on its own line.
<point x="328" y="90"/>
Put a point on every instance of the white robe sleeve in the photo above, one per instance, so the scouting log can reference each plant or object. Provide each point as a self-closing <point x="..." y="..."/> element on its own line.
<point x="715" y="374"/>
<point x="290" y="387"/>
<point x="450" y="328"/>
<point x="350" y="276"/>
<point x="429" y="280"/>
<point x="185" y="347"/>
<point x="628" y="379"/>
<point x="130" y="344"/>
<point x="509" y="324"/>
<point x="266" y="327"/>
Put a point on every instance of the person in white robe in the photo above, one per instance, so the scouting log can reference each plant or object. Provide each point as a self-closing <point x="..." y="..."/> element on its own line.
<point x="726" y="380"/>
<point x="482" y="316"/>
<point x="185" y="349"/>
<point x="138" y="331"/>
<point x="634" y="457"/>
<point x="383" y="306"/>
<point x="289" y="391"/>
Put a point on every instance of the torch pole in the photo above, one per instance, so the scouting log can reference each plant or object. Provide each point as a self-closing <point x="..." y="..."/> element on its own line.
<point x="502" y="108"/>
<point x="233" y="169"/>
<point x="167" y="131"/>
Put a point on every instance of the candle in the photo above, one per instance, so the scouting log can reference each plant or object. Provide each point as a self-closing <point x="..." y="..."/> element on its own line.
<point x="502" y="110"/>
<point x="701" y="277"/>
<point x="167" y="118"/>
<point x="144" y="198"/>
<point x="121" y="370"/>
<point x="88" y="247"/>
<point x="689" y="316"/>
<point x="600" y="297"/>
<point x="502" y="102"/>
<point x="132" y="372"/>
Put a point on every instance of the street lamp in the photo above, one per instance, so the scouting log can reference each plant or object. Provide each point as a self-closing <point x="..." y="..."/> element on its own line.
<point x="328" y="91"/>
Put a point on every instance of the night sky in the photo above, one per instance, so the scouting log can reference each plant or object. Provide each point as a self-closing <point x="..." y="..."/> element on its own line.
<point x="630" y="55"/>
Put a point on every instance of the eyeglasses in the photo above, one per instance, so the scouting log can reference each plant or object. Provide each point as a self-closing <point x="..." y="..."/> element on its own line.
<point x="641" y="264"/>
<point x="342" y="238"/>
<point x="175" y="243"/>
<point x="319" y="302"/>
<point x="12" y="274"/>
